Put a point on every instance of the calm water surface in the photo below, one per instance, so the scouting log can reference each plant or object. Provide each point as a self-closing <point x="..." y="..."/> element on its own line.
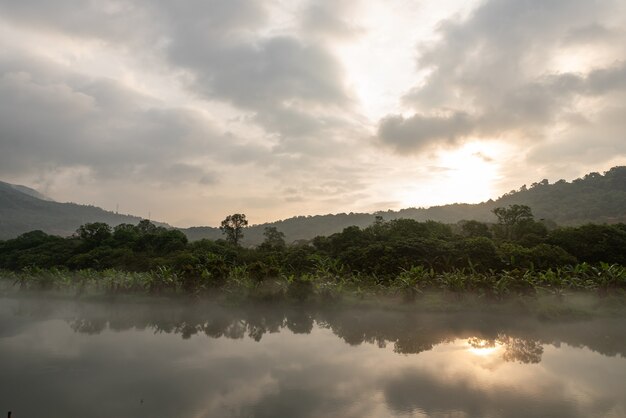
<point x="61" y="358"/>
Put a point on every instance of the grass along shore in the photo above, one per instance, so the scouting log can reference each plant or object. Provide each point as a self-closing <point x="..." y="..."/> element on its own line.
<point x="324" y="284"/>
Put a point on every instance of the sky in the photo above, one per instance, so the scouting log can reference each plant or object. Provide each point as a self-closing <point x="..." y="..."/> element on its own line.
<point x="191" y="110"/>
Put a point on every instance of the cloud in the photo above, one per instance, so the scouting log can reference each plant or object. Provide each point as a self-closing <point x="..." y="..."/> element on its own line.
<point x="115" y="21"/>
<point x="113" y="131"/>
<point x="419" y="131"/>
<point x="502" y="73"/>
<point x="287" y="84"/>
<point x="245" y="97"/>
<point x="417" y="390"/>
<point x="592" y="33"/>
<point x="331" y="19"/>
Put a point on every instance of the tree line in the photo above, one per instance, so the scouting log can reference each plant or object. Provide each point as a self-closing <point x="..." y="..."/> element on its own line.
<point x="380" y="253"/>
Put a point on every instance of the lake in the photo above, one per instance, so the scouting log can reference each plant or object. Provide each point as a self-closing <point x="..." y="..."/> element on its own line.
<point x="157" y="358"/>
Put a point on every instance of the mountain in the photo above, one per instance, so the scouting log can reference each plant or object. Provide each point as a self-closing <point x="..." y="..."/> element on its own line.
<point x="23" y="209"/>
<point x="598" y="198"/>
<point x="28" y="191"/>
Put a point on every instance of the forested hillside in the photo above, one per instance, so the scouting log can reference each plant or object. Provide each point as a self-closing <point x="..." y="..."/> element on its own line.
<point x="23" y="211"/>
<point x="597" y="198"/>
<point x="593" y="198"/>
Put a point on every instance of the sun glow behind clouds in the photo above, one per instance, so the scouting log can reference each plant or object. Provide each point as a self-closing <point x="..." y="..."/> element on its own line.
<point x="380" y="59"/>
<point x="467" y="174"/>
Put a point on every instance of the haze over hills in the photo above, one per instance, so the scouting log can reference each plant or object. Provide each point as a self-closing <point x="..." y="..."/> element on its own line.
<point x="23" y="209"/>
<point x="28" y="191"/>
<point x="593" y="198"/>
<point x="598" y="198"/>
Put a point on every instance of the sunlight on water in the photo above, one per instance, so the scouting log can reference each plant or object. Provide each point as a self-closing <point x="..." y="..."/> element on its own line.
<point x="483" y="351"/>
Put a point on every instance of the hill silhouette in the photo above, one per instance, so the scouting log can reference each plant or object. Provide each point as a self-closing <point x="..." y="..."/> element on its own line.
<point x="23" y="209"/>
<point x="597" y="198"/>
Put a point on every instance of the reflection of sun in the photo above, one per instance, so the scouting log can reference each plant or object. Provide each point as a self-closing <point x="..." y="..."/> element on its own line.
<point x="483" y="352"/>
<point x="481" y="347"/>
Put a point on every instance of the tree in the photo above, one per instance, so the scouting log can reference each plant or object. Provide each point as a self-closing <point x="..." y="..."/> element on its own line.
<point x="274" y="239"/>
<point x="233" y="227"/>
<point x="474" y="229"/>
<point x="94" y="233"/>
<point x="511" y="220"/>
<point x="146" y="227"/>
<point x="513" y="214"/>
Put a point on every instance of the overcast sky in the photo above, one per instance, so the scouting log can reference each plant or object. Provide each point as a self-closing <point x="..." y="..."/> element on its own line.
<point x="194" y="109"/>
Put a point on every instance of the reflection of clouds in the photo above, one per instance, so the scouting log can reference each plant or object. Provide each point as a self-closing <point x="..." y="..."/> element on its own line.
<point x="412" y="390"/>
<point x="254" y="367"/>
<point x="451" y="378"/>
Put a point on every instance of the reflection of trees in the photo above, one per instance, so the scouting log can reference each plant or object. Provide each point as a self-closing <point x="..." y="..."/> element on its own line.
<point x="409" y="333"/>
<point x="476" y="342"/>
<point x="299" y="322"/>
<point x="521" y="350"/>
<point x="412" y="345"/>
<point x="88" y="326"/>
<point x="515" y="349"/>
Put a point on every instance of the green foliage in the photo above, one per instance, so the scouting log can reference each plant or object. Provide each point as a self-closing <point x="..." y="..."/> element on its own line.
<point x="478" y="253"/>
<point x="402" y="256"/>
<point x="593" y="243"/>
<point x="475" y="229"/>
<point x="94" y="233"/>
<point x="274" y="239"/>
<point x="233" y="227"/>
<point x="516" y="223"/>
<point x="411" y="282"/>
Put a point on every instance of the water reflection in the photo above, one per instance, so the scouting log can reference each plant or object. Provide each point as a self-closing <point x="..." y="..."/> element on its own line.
<point x="511" y="348"/>
<point x="515" y="338"/>
<point x="202" y="360"/>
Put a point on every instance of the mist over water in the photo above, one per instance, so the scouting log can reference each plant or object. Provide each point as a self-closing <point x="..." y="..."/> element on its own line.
<point x="71" y="358"/>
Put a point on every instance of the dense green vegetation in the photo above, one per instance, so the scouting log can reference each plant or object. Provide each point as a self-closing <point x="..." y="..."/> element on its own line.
<point x="516" y="255"/>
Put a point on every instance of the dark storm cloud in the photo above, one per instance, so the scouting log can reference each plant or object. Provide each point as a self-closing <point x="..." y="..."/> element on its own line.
<point x="489" y="73"/>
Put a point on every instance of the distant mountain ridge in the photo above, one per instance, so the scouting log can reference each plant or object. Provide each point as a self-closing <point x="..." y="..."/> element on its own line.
<point x="598" y="198"/>
<point x="28" y="191"/>
<point x="23" y="209"/>
<point x="594" y="198"/>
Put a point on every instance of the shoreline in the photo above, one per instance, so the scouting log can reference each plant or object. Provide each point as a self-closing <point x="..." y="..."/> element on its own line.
<point x="543" y="305"/>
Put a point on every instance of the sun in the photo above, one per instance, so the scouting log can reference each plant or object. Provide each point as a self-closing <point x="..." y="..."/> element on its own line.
<point x="470" y="172"/>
